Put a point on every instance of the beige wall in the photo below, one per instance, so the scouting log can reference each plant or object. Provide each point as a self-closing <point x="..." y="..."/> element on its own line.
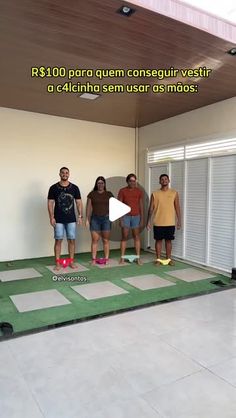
<point x="33" y="148"/>
<point x="207" y="122"/>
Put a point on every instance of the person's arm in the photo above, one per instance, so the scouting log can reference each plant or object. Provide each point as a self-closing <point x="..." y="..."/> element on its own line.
<point x="120" y="198"/>
<point x="88" y="211"/>
<point x="51" y="204"/>
<point x="120" y="195"/>
<point x="141" y="211"/>
<point x="79" y="206"/>
<point x="177" y="210"/>
<point x="150" y="212"/>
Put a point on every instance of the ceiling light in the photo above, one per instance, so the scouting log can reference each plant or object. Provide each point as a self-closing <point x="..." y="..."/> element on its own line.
<point x="232" y="51"/>
<point x="89" y="96"/>
<point x="126" y="11"/>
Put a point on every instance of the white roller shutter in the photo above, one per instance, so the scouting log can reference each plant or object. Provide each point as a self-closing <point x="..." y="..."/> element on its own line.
<point x="222" y="212"/>
<point x="177" y="182"/>
<point x="196" y="210"/>
<point x="206" y="182"/>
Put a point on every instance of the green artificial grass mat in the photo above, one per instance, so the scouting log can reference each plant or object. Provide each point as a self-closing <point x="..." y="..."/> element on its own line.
<point x="80" y="308"/>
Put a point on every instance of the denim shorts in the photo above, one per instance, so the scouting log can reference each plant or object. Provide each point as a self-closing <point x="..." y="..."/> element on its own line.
<point x="130" y="221"/>
<point x="70" y="230"/>
<point x="100" y="223"/>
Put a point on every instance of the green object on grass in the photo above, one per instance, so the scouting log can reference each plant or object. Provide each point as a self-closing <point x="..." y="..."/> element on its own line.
<point x="130" y="258"/>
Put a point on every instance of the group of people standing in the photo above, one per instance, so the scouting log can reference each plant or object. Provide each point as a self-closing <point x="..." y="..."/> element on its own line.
<point x="63" y="196"/>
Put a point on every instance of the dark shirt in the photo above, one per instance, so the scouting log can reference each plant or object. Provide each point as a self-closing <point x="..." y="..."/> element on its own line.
<point x="64" y="211"/>
<point x="100" y="202"/>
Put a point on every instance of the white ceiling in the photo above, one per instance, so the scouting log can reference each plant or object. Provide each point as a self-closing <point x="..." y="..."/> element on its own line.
<point x="225" y="9"/>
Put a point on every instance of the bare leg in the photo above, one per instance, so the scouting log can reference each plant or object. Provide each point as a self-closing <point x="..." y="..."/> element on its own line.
<point x="57" y="252"/>
<point x="94" y="245"/>
<point x="168" y="244"/>
<point x="137" y="243"/>
<point x="71" y="250"/>
<point x="125" y="234"/>
<point x="158" y="247"/>
<point x="106" y="243"/>
<point x="168" y="248"/>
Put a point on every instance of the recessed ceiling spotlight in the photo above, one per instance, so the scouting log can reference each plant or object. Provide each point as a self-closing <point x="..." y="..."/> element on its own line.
<point x="232" y="51"/>
<point x="89" y="96"/>
<point x="126" y="11"/>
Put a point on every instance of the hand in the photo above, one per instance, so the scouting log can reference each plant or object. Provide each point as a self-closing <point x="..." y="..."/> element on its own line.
<point x="141" y="223"/>
<point x="80" y="221"/>
<point x="178" y="225"/>
<point x="148" y="226"/>
<point x="87" y="223"/>
<point x="53" y="222"/>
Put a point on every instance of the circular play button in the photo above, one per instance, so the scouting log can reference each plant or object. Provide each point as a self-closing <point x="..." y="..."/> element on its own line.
<point x="118" y="209"/>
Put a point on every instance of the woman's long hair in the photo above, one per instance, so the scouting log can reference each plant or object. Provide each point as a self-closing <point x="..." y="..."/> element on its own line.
<point x="96" y="183"/>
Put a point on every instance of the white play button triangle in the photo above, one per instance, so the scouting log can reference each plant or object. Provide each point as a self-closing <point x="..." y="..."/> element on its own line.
<point x="117" y="209"/>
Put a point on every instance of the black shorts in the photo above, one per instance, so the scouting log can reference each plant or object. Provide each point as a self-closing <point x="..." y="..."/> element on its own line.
<point x="164" y="232"/>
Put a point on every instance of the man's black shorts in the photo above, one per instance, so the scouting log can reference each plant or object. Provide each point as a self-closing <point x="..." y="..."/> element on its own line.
<point x="164" y="232"/>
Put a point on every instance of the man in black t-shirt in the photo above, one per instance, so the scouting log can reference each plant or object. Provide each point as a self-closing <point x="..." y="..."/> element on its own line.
<point x="61" y="209"/>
